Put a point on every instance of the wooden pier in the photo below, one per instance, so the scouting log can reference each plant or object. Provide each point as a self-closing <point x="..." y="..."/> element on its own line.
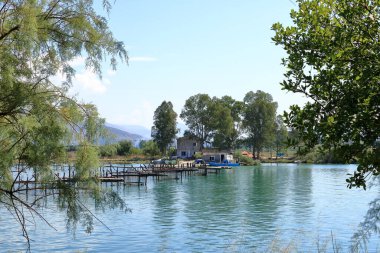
<point x="137" y="174"/>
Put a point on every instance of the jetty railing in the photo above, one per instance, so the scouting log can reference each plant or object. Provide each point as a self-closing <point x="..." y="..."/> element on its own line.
<point x="124" y="173"/>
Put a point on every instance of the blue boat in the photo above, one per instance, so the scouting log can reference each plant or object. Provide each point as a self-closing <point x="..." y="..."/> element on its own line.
<point x="225" y="163"/>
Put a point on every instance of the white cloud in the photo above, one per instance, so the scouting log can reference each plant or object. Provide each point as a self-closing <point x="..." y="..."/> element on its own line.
<point x="84" y="80"/>
<point x="142" y="59"/>
<point x="90" y="81"/>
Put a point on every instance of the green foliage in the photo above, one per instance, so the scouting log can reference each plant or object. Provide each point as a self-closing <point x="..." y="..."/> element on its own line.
<point x="188" y="133"/>
<point x="198" y="155"/>
<point x="93" y="125"/>
<point x="108" y="150"/>
<point x="319" y="155"/>
<point x="332" y="59"/>
<point x="227" y="122"/>
<point x="124" y="147"/>
<point x="197" y="115"/>
<point x="69" y="201"/>
<point x="281" y="134"/>
<point x="165" y="126"/>
<point x="172" y="151"/>
<point x="259" y="119"/>
<point x="370" y="226"/>
<point x="86" y="161"/>
<point x="149" y="148"/>
<point x="38" y="119"/>
<point x="244" y="160"/>
<point x="135" y="151"/>
<point x="216" y="121"/>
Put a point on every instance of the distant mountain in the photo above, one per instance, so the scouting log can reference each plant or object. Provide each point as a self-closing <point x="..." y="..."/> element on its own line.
<point x="142" y="132"/>
<point x="135" y="129"/>
<point x="120" y="135"/>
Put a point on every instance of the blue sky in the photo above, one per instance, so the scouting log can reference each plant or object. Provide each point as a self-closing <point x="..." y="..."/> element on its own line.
<point x="179" y="48"/>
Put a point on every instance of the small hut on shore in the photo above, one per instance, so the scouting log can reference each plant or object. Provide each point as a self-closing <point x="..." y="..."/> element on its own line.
<point x="211" y="155"/>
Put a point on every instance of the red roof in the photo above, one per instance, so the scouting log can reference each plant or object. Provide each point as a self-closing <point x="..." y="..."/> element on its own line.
<point x="246" y="153"/>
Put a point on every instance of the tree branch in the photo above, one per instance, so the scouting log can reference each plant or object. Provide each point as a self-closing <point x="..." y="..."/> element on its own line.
<point x="15" y="28"/>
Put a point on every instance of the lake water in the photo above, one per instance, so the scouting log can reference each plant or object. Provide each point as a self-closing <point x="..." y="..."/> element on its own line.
<point x="247" y="209"/>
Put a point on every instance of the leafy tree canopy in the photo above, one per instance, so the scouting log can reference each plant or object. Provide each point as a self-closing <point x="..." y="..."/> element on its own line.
<point x="259" y="119"/>
<point x="226" y="114"/>
<point x="333" y="59"/>
<point x="216" y="121"/>
<point x="150" y="148"/>
<point x="109" y="150"/>
<point x="124" y="147"/>
<point x="39" y="39"/>
<point x="197" y="115"/>
<point x="165" y="125"/>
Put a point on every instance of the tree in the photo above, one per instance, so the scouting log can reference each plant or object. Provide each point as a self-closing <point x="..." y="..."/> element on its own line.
<point x="227" y="121"/>
<point x="165" y="126"/>
<point x="149" y="148"/>
<point x="333" y="59"/>
<point x="281" y="134"/>
<point x="197" y="115"/>
<point x="214" y="121"/>
<point x="109" y="150"/>
<point x="39" y="39"/>
<point x="259" y="119"/>
<point x="124" y="147"/>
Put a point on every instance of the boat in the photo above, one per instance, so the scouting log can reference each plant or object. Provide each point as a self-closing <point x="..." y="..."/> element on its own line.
<point x="225" y="163"/>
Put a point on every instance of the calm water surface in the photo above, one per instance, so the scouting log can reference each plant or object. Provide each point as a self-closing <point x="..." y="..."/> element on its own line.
<point x="247" y="209"/>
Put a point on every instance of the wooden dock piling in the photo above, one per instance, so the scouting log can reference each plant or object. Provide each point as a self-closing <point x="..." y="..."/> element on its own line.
<point x="121" y="173"/>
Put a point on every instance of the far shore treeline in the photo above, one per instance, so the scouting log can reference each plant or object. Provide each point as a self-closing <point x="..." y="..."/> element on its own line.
<point x="224" y="123"/>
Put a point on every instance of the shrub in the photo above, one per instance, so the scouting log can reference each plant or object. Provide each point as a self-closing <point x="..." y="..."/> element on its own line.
<point x="198" y="155"/>
<point x="124" y="148"/>
<point x="245" y="160"/>
<point x="108" y="150"/>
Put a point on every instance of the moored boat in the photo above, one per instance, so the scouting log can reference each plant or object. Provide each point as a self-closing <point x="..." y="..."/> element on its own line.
<point x="225" y="163"/>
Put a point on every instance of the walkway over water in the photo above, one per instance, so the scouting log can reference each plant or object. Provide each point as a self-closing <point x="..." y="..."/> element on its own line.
<point x="125" y="173"/>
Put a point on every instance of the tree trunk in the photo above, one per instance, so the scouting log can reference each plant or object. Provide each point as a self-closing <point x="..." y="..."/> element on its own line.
<point x="277" y="149"/>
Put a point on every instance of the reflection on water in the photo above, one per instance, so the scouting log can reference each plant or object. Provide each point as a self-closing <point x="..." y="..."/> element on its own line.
<point x="241" y="210"/>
